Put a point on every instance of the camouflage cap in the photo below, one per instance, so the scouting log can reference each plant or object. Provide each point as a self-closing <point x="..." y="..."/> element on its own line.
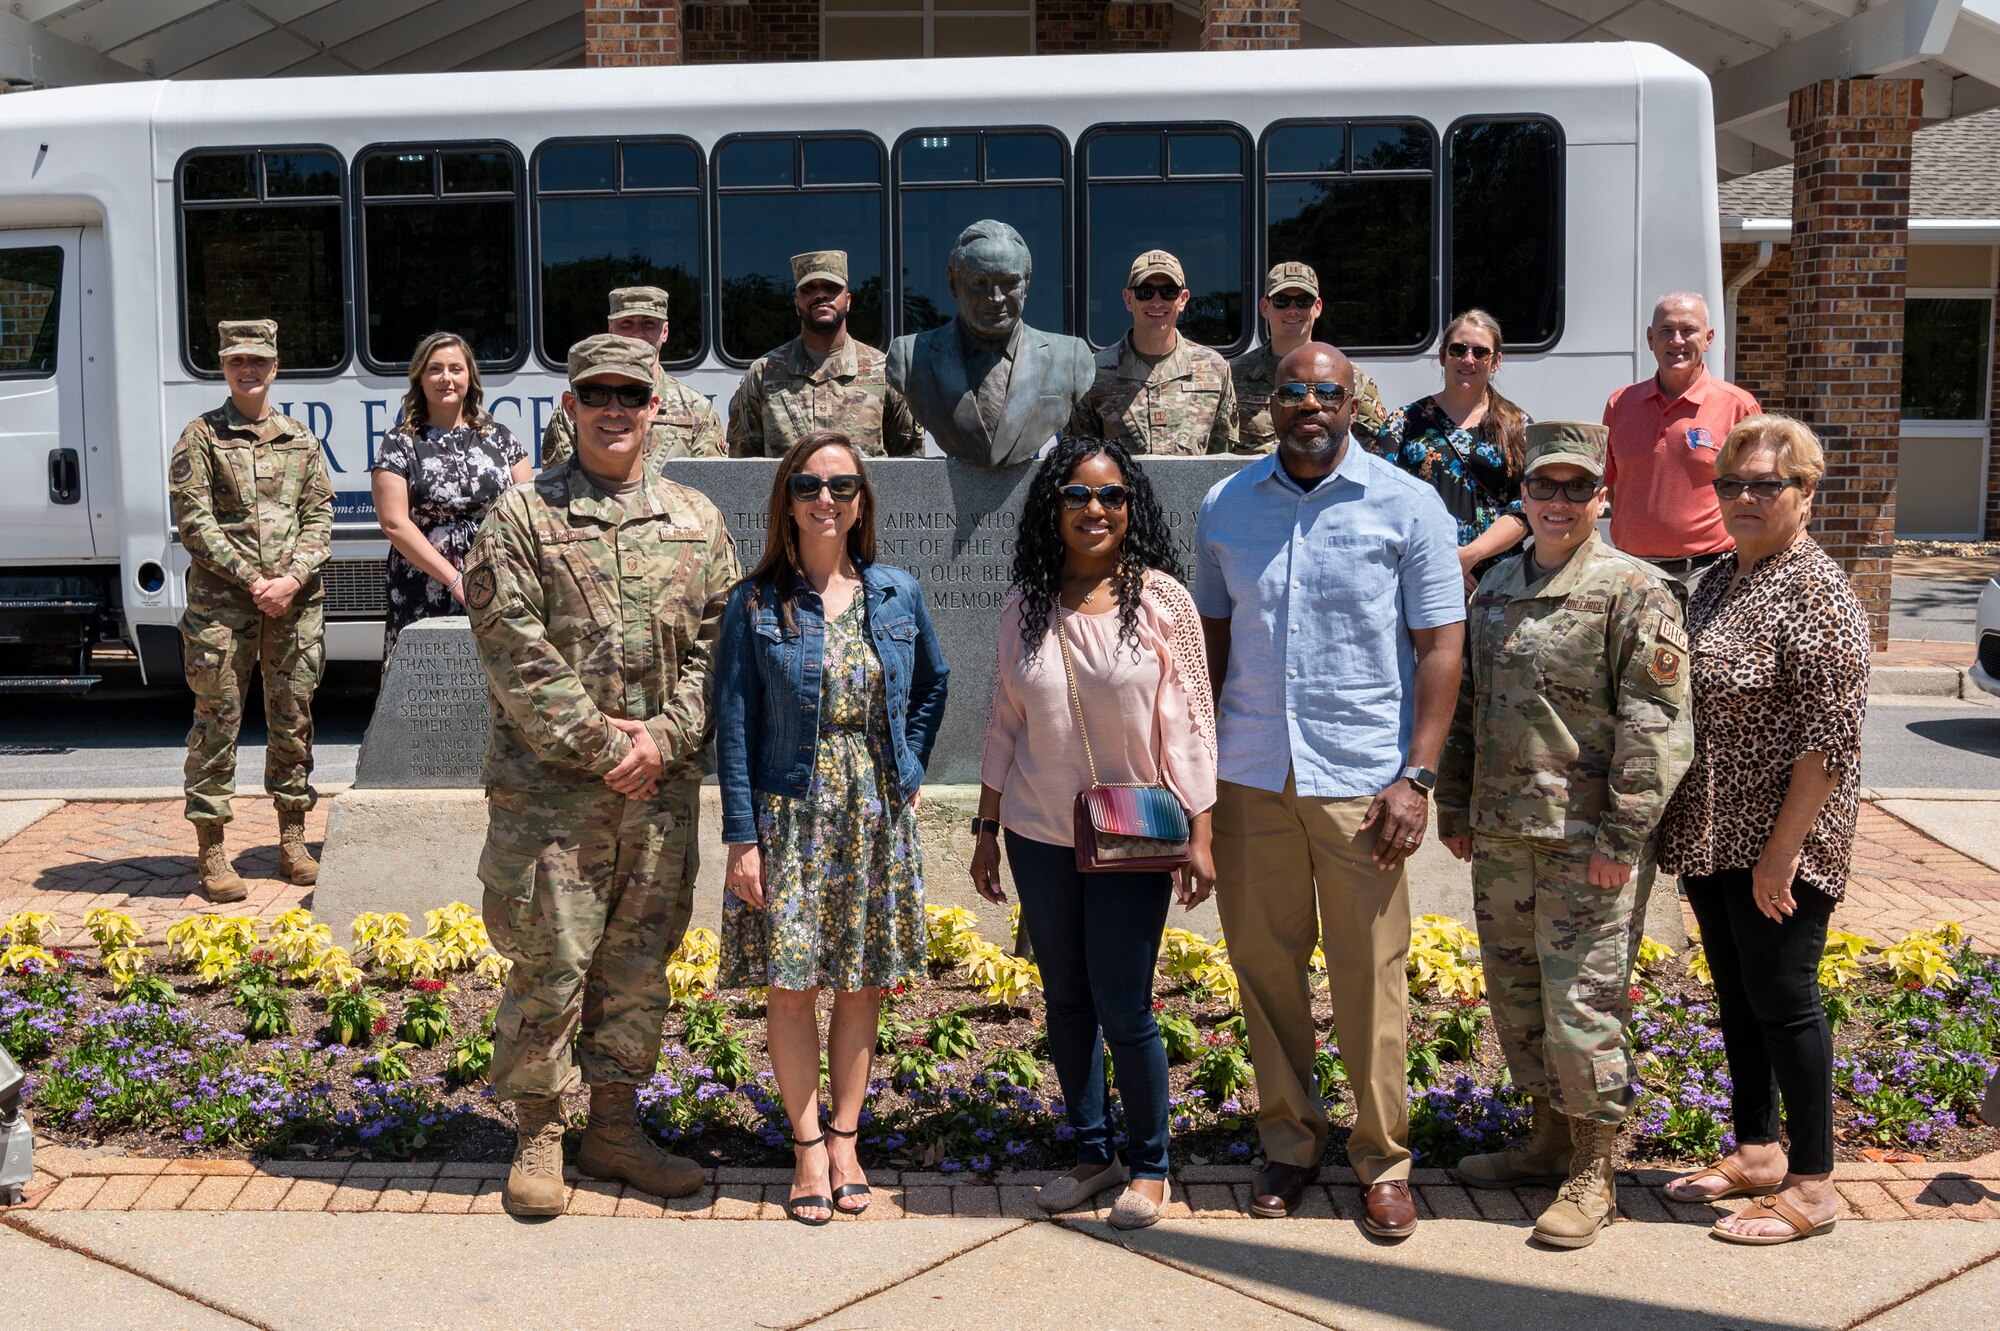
<point x="1577" y="443"/>
<point x="609" y="356"/>
<point x="1294" y="274"/>
<point x="1156" y="263"/>
<point x="819" y="266"/>
<point x="648" y="301"/>
<point x="248" y="337"/>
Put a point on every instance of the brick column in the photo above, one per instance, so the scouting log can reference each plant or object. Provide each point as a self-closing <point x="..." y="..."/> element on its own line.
<point x="1763" y="310"/>
<point x="1249" y="25"/>
<point x="1070" y="27"/>
<point x="1844" y="365"/>
<point x="622" y="32"/>
<point x="756" y="32"/>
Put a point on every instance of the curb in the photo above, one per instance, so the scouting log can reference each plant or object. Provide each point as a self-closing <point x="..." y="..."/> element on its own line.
<point x="1922" y="682"/>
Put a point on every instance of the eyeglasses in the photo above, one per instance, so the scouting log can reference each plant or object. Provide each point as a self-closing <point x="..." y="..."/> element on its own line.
<point x="1292" y="395"/>
<point x="1460" y="350"/>
<point x="633" y="396"/>
<point x="1156" y="291"/>
<point x="805" y="487"/>
<point x="1577" y="490"/>
<point x="1291" y="302"/>
<point x="1112" y="496"/>
<point x="1764" y="491"/>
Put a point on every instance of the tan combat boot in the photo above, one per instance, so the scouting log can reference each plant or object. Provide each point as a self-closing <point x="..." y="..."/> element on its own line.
<point x="1589" y="1197"/>
<point x="1542" y="1160"/>
<point x="295" y="862"/>
<point x="535" y="1183"/>
<point x="615" y="1146"/>
<point x="218" y="880"/>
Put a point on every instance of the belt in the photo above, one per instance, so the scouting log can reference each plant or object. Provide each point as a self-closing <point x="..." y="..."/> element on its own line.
<point x="1688" y="565"/>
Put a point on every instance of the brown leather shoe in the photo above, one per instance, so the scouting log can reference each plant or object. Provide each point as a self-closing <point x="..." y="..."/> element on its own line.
<point x="1389" y="1211"/>
<point x="1279" y="1189"/>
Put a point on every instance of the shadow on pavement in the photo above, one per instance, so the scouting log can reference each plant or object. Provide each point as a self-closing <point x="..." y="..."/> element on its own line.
<point x="1979" y="735"/>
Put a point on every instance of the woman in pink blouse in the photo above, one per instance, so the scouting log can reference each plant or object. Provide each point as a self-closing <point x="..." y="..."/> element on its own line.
<point x="1096" y="564"/>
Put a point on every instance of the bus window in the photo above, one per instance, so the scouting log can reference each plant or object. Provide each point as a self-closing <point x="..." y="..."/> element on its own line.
<point x="1355" y="202"/>
<point x="946" y="180"/>
<point x="261" y="239"/>
<point x="783" y="195"/>
<point x="440" y="239"/>
<point x="30" y="303"/>
<point x="618" y="213"/>
<point x="1182" y="189"/>
<point x="1506" y="225"/>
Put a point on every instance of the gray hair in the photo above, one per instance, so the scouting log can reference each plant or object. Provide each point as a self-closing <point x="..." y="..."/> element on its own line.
<point x="1694" y="298"/>
<point x="989" y="229"/>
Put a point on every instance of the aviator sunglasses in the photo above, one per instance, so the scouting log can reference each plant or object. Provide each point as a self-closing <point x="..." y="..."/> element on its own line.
<point x="1460" y="350"/>
<point x="805" y="486"/>
<point x="1156" y="291"/>
<point x="1112" y="496"/>
<point x="632" y="396"/>
<point x="1329" y="395"/>
<point x="1577" y="490"/>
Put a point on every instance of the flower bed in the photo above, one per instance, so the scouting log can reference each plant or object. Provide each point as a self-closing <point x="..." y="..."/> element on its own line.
<point x="250" y="1037"/>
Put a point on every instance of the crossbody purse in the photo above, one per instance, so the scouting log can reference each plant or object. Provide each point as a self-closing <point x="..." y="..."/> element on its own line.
<point x="1121" y="827"/>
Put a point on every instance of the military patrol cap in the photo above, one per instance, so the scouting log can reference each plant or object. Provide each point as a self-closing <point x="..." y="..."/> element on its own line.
<point x="648" y="301"/>
<point x="248" y="337"/>
<point x="1287" y="275"/>
<point x="1156" y="263"/>
<point x="819" y="266"/>
<point x="1577" y="443"/>
<point x="608" y="356"/>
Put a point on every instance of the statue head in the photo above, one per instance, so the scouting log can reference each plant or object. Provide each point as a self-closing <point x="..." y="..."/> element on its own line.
<point x="988" y="269"/>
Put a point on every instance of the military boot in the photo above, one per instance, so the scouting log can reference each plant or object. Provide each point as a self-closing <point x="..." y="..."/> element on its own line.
<point x="1542" y="1160"/>
<point x="535" y="1183"/>
<point x="614" y="1146"/>
<point x="1589" y="1196"/>
<point x="295" y="862"/>
<point x="218" y="880"/>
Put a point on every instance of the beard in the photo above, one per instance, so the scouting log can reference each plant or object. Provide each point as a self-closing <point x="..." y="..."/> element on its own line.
<point x="1312" y="447"/>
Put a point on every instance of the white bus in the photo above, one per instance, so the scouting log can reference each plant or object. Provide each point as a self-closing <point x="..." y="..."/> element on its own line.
<point x="1559" y="187"/>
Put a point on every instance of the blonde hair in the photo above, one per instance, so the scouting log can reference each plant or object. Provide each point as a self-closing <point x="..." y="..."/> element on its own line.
<point x="1798" y="449"/>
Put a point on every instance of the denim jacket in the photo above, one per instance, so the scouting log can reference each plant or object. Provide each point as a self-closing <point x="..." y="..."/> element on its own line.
<point x="767" y="691"/>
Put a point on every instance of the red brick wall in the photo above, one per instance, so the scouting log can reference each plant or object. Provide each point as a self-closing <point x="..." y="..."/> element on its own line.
<point x="1850" y="233"/>
<point x="22" y="309"/>
<point x="1757" y="342"/>
<point x="1249" y="25"/>
<point x="1993" y="435"/>
<point x="1067" y="27"/>
<point x="619" y="32"/>
<point x="761" y="31"/>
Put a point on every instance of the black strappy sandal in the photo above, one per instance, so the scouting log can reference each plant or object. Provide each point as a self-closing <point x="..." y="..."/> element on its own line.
<point x="846" y="1190"/>
<point x="792" y="1204"/>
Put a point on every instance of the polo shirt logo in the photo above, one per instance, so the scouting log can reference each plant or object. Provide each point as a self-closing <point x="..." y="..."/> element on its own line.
<point x="1699" y="437"/>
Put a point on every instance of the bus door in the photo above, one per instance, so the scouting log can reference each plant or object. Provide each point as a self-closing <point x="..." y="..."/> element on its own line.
<point x="44" y="503"/>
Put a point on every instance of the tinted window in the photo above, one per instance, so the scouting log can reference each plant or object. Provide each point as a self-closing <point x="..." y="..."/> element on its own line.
<point x="942" y="193"/>
<point x="398" y="173"/>
<point x="1367" y="233"/>
<point x="763" y="220"/>
<point x="30" y="302"/>
<point x="1506" y="225"/>
<point x="1946" y="358"/>
<point x="594" y="237"/>
<point x="434" y="261"/>
<point x="275" y="254"/>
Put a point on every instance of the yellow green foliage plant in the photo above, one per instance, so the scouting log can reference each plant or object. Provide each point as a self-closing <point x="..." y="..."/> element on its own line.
<point x="30" y="928"/>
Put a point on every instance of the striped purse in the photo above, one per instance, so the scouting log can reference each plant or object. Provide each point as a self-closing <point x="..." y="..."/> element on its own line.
<point x="1121" y="828"/>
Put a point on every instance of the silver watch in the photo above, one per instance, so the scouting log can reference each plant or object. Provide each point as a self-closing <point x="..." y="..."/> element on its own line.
<point x="1423" y="778"/>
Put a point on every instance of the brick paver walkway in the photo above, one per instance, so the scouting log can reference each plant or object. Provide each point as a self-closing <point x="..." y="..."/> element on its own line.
<point x="1902" y="880"/>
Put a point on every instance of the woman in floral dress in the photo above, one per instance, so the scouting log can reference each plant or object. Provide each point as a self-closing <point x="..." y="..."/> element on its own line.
<point x="829" y="691"/>
<point x="437" y="473"/>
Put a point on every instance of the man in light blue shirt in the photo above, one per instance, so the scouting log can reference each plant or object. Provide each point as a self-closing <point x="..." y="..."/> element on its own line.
<point x="1334" y="610"/>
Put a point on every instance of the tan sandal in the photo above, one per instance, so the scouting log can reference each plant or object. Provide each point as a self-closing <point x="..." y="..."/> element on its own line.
<point x="1772" y="1208"/>
<point x="1725" y="1168"/>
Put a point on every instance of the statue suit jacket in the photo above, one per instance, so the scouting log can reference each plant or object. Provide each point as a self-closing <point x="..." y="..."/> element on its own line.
<point x="1050" y="373"/>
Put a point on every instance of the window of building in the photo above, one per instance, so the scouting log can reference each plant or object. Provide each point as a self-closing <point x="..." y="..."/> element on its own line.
<point x="261" y="238"/>
<point x="904" y="29"/>
<point x="1355" y="201"/>
<point x="618" y="213"/>
<point x="1947" y="357"/>
<point x="1506" y="230"/>
<point x="780" y="196"/>
<point x="441" y="250"/>
<point x="1182" y="189"/>
<point x="947" y="179"/>
<point x="30" y="304"/>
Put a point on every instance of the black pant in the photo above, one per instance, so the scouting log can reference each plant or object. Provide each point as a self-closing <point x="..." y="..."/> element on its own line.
<point x="1774" y="1026"/>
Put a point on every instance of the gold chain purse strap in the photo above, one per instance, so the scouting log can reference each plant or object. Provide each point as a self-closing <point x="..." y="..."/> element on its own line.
<point x="1076" y="701"/>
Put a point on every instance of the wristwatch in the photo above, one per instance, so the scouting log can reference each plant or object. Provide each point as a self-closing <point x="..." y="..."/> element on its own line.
<point x="985" y="825"/>
<point x="1423" y="778"/>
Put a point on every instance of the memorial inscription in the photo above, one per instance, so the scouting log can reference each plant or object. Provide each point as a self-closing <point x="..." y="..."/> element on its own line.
<point x="430" y="721"/>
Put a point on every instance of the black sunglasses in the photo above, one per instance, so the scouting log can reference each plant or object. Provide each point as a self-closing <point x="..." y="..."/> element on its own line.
<point x="1460" y="350"/>
<point x="805" y="486"/>
<point x="1766" y="491"/>
<point x="1292" y="395"/>
<point x="1577" y="490"/>
<point x="633" y="396"/>
<point x="1156" y="291"/>
<point x="1112" y="496"/>
<point x="1291" y="302"/>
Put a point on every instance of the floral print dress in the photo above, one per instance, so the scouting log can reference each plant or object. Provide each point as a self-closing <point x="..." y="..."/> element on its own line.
<point x="454" y="476"/>
<point x="1469" y="472"/>
<point x="843" y="873"/>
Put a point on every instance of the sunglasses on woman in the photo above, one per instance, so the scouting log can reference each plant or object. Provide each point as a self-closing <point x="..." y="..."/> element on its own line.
<point x="1460" y="350"/>
<point x="805" y="487"/>
<point x="1765" y="491"/>
<point x="1577" y="490"/>
<point x="1078" y="496"/>
<point x="1292" y="395"/>
<point x="1156" y="291"/>
<point x="630" y="396"/>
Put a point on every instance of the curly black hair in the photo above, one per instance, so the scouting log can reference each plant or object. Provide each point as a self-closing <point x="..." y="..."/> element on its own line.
<point x="1039" y="550"/>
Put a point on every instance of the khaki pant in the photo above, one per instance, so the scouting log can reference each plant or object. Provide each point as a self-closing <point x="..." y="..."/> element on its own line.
<point x="1291" y="871"/>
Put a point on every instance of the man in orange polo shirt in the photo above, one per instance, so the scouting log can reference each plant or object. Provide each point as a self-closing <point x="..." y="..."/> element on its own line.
<point x="1665" y="432"/>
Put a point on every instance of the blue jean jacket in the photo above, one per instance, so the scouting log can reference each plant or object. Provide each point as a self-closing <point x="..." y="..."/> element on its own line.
<point x="767" y="692"/>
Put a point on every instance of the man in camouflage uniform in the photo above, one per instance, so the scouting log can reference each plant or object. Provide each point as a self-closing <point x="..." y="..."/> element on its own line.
<point x="1291" y="307"/>
<point x="595" y="595"/>
<point x="255" y="510"/>
<point x="1155" y="391"/>
<point x="823" y="379"/>
<point x="686" y="426"/>
<point x="1571" y="732"/>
